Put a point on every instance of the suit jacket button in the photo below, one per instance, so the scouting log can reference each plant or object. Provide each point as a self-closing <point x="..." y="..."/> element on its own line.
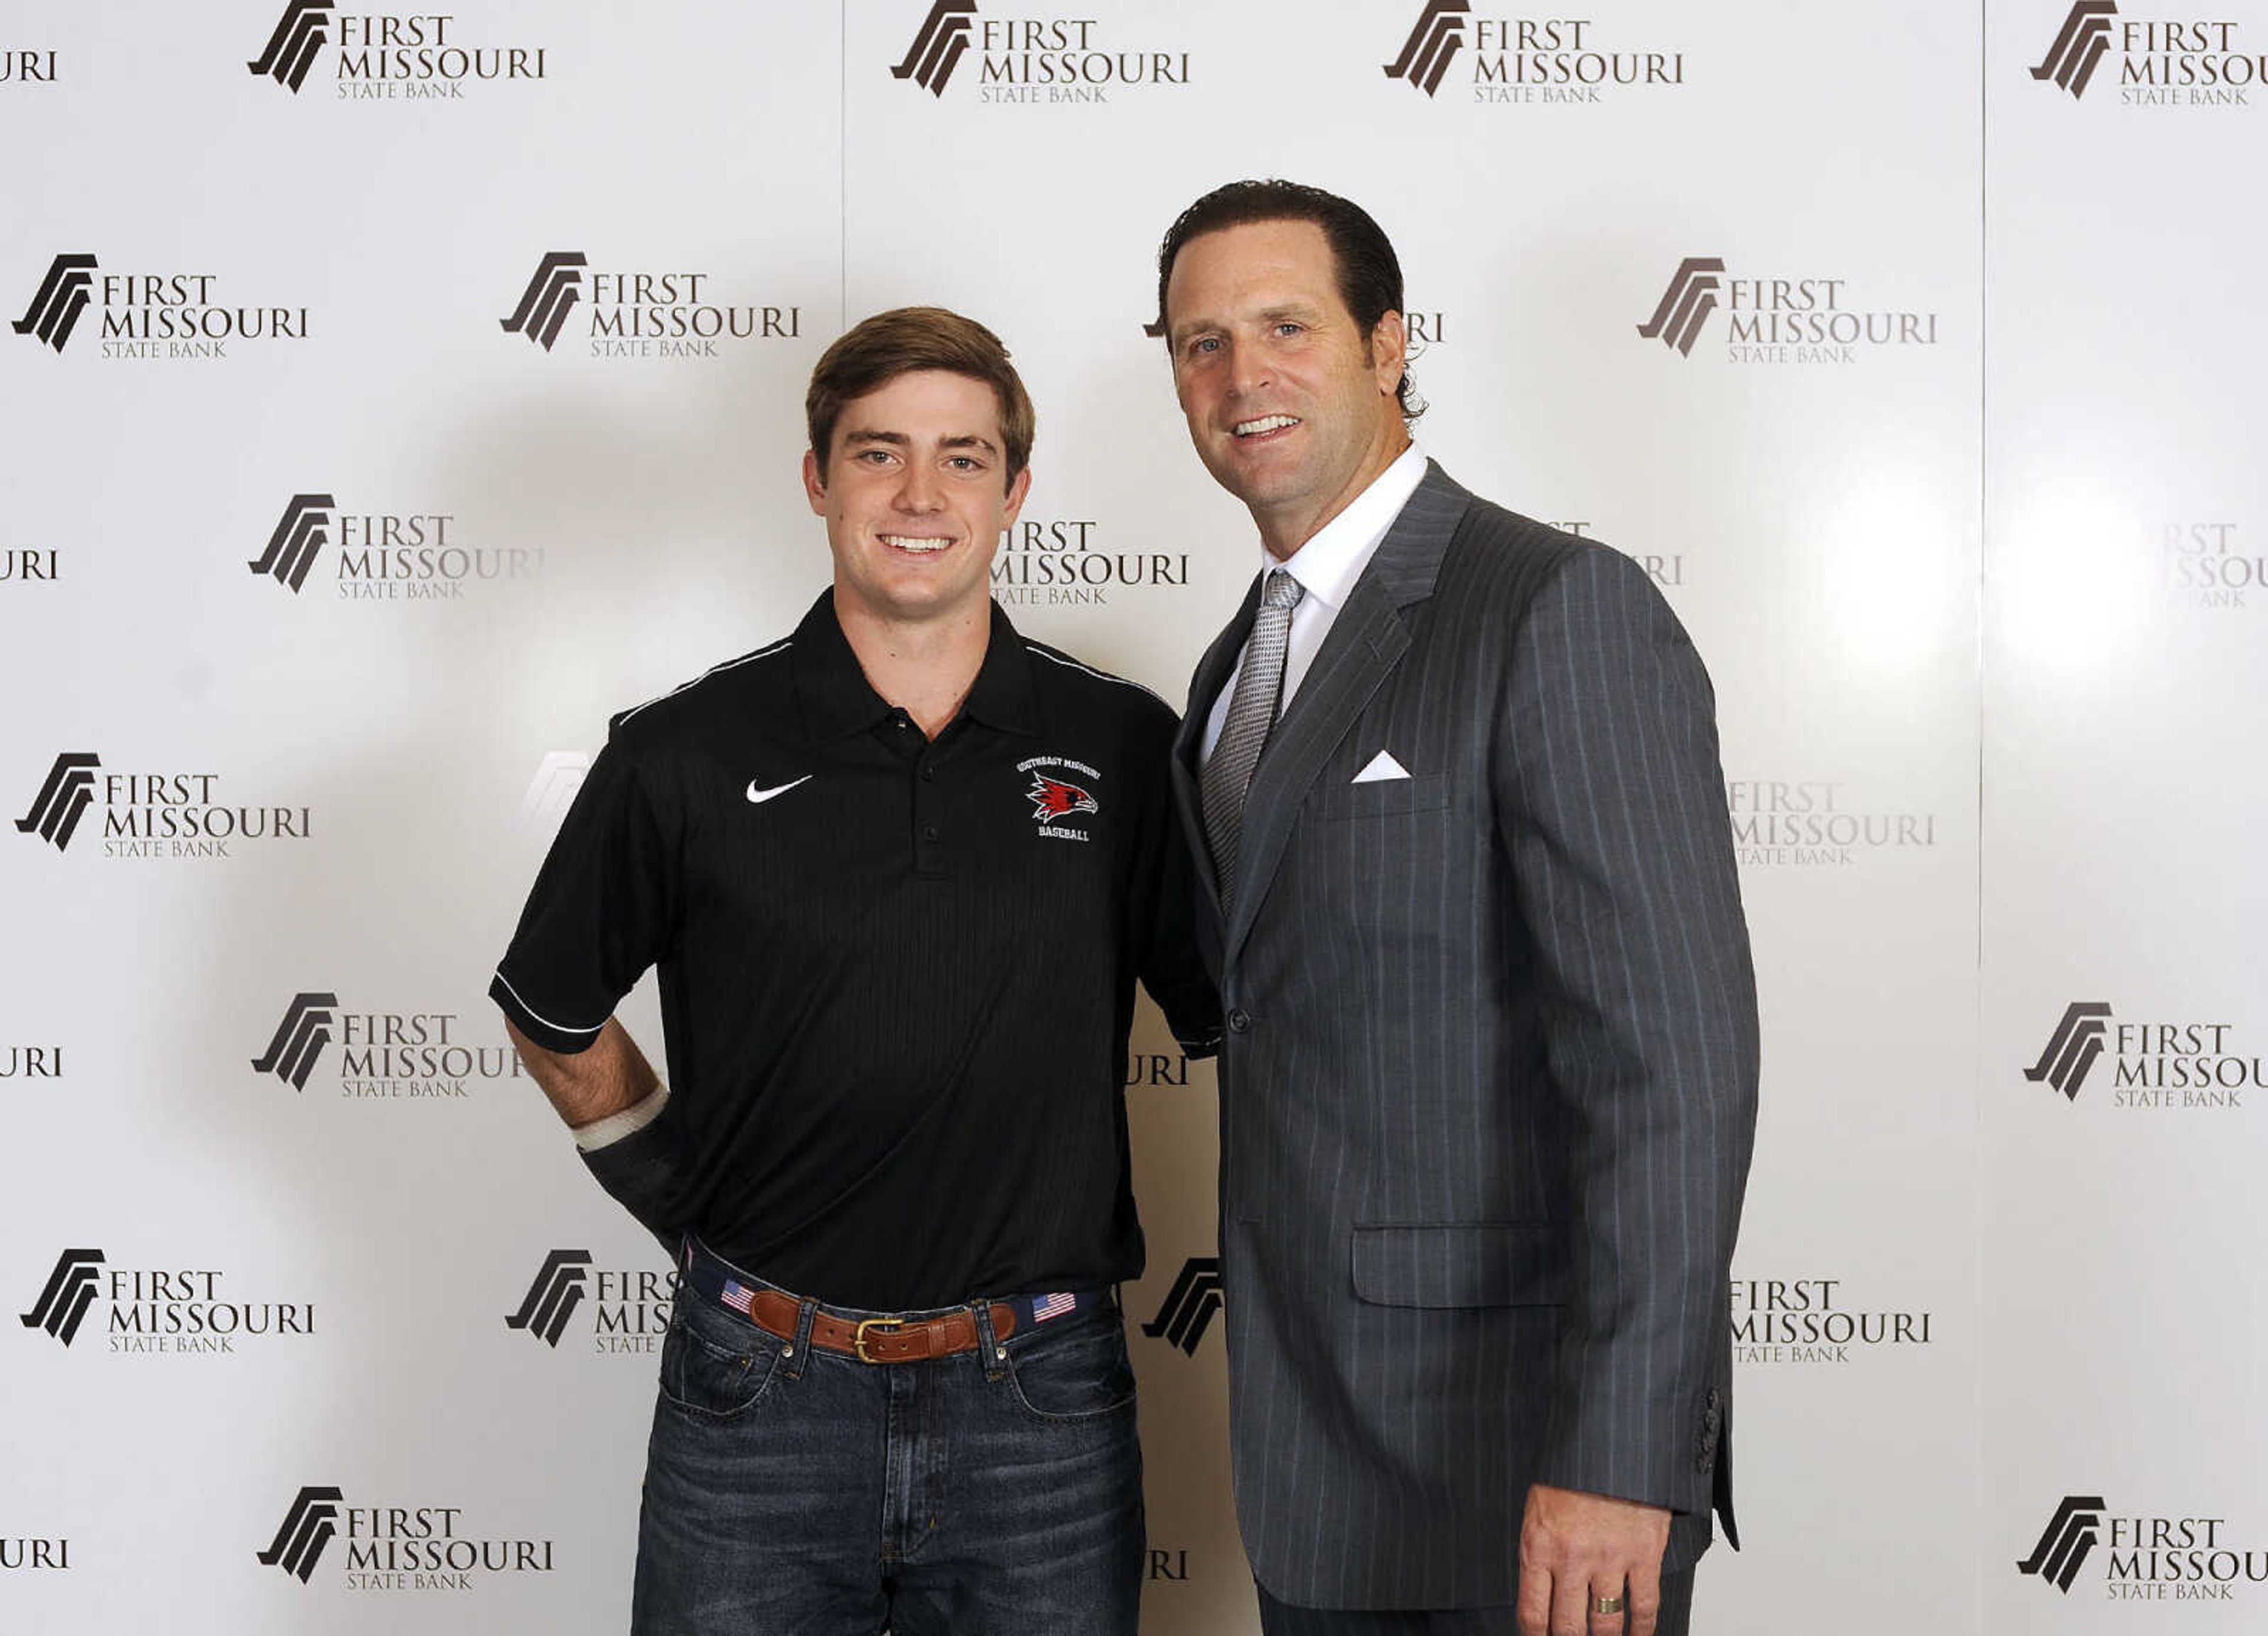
<point x="1238" y="1021"/>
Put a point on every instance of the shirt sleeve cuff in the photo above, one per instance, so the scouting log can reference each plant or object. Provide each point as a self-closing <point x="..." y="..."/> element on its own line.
<point x="562" y="1037"/>
<point x="612" y="1129"/>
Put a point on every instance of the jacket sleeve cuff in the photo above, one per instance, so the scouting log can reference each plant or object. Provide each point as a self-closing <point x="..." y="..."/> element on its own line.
<point x="642" y="1173"/>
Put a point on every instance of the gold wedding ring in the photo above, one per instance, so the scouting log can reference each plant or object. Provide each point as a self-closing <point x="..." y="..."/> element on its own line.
<point x="1605" y="1604"/>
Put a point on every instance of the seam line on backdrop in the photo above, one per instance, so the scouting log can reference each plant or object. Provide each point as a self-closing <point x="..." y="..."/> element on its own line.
<point x="1983" y="521"/>
<point x="842" y="165"/>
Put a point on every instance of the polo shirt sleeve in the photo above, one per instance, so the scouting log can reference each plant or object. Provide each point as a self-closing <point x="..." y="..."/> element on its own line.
<point x="1165" y="900"/>
<point x="603" y="909"/>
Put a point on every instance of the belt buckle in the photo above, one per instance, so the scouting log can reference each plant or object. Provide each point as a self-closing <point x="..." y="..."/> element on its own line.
<point x="859" y="1340"/>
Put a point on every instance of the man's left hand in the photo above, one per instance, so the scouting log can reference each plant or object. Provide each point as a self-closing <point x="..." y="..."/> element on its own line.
<point x="1575" y="1547"/>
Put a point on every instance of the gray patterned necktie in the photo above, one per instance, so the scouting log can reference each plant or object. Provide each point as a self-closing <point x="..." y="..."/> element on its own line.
<point x="1251" y="713"/>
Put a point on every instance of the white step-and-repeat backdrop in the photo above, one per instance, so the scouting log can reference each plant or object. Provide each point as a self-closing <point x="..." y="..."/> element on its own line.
<point x="391" y="395"/>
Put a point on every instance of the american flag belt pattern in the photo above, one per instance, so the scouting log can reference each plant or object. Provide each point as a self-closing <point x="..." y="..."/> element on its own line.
<point x="878" y="1339"/>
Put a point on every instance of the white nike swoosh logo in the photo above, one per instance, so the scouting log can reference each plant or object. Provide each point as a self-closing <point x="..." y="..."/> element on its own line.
<point x="762" y="796"/>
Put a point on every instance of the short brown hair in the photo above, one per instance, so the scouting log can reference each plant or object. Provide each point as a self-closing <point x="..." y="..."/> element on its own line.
<point x="879" y="349"/>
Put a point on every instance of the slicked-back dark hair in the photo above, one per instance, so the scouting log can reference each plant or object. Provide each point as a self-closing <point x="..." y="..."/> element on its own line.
<point x="1369" y="273"/>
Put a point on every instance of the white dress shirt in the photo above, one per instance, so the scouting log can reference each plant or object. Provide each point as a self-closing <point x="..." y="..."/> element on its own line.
<point x="1327" y="567"/>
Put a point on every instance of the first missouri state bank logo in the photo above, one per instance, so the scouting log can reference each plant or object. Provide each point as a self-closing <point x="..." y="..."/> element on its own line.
<point x="652" y="314"/>
<point x="1806" y="319"/>
<point x="1528" y="61"/>
<point x="172" y="1309"/>
<point x="394" y="1547"/>
<point x="2158" y="1557"/>
<point x="630" y="1307"/>
<point x="393" y="556"/>
<point x="387" y="56"/>
<point x="2186" y="62"/>
<point x="388" y="1055"/>
<point x="144" y="315"/>
<point x="1031" y="59"/>
<point x="151" y="815"/>
<point x="2182" y="1064"/>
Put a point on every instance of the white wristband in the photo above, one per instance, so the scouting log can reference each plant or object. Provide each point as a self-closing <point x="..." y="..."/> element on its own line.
<point x="601" y="1133"/>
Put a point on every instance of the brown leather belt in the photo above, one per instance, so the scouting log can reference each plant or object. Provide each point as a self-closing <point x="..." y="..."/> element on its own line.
<point x="879" y="1340"/>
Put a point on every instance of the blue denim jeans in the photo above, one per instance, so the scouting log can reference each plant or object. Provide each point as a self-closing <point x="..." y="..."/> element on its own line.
<point x="796" y="1493"/>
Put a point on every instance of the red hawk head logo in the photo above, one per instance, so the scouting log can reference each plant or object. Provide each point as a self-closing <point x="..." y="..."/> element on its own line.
<point x="1052" y="799"/>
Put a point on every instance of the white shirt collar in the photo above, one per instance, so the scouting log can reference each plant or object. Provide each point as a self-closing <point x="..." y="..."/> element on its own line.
<point x="1328" y="565"/>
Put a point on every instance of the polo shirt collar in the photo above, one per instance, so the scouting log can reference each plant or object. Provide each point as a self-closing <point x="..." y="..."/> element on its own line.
<point x="837" y="700"/>
<point x="1005" y="694"/>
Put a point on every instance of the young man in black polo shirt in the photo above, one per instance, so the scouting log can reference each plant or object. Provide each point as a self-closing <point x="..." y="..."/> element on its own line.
<point x="900" y="872"/>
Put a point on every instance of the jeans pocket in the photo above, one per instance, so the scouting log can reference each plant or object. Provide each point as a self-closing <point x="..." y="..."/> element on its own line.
<point x="1081" y="1373"/>
<point x="715" y="1375"/>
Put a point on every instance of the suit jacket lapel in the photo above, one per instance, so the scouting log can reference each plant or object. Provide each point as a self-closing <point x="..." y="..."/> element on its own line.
<point x="1215" y="671"/>
<point x="1366" y="642"/>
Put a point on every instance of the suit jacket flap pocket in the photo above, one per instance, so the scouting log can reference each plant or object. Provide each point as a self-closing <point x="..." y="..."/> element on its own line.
<point x="1473" y="1263"/>
<point x="1425" y="793"/>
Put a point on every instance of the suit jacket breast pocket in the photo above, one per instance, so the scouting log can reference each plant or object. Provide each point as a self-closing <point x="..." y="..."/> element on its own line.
<point x="1386" y="852"/>
<point x="1384" y="797"/>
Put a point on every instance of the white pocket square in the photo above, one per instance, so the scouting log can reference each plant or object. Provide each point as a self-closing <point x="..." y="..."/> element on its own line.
<point x="1382" y="767"/>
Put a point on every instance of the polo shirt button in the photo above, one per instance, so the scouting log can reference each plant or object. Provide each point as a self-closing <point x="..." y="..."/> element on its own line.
<point x="929" y="832"/>
<point x="929" y="774"/>
<point x="1238" y="1021"/>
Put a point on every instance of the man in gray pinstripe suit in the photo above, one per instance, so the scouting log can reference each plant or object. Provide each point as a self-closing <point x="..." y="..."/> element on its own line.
<point x="1489" y="1090"/>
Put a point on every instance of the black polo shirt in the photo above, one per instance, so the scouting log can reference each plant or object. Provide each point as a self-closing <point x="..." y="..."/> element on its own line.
<point x="896" y="974"/>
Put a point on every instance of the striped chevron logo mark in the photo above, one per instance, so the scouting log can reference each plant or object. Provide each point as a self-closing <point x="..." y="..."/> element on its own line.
<point x="552" y="1298"/>
<point x="1425" y="54"/>
<point x="549" y="297"/>
<point x="2069" y="1535"/>
<point x="308" y="1526"/>
<point x="70" y="1292"/>
<point x="62" y="800"/>
<point x="2079" y="45"/>
<point x="1686" y="304"/>
<point x="1188" y="1310"/>
<point x="2072" y="1049"/>
<point x="290" y="53"/>
<point x="298" y="538"/>
<point x="300" y="1039"/>
<point x="937" y="49"/>
<point x="63" y="296"/>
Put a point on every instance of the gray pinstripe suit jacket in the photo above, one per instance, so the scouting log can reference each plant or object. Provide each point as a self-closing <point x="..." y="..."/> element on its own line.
<point x="1489" y="1091"/>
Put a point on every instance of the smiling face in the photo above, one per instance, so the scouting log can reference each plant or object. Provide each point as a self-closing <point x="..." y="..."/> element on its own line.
<point x="1291" y="405"/>
<point x="915" y="498"/>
